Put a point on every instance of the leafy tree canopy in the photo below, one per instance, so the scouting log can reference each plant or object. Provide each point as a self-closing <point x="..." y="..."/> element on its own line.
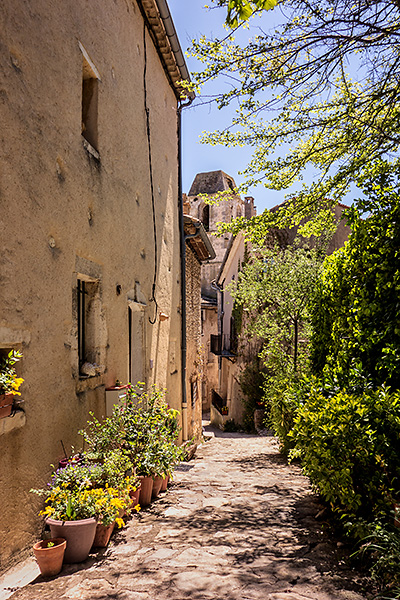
<point x="356" y="314"/>
<point x="274" y="288"/>
<point x="242" y="10"/>
<point x="320" y="91"/>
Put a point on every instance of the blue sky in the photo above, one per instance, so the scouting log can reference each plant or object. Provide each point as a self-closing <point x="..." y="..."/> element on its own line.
<point x="191" y="20"/>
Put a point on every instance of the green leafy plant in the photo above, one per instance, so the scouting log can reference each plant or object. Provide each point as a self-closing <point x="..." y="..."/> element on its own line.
<point x="380" y="548"/>
<point x="356" y="312"/>
<point x="151" y="430"/>
<point x="348" y="444"/>
<point x="231" y="426"/>
<point x="103" y="436"/>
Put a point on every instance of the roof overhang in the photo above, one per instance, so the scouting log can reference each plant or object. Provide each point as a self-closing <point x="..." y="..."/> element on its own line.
<point x="197" y="237"/>
<point x="165" y="38"/>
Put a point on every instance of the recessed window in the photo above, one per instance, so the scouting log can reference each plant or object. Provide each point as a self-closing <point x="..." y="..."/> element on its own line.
<point x="88" y="303"/>
<point x="206" y="217"/>
<point x="90" y="100"/>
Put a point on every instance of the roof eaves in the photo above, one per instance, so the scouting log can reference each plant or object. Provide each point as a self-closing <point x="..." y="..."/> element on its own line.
<point x="165" y="38"/>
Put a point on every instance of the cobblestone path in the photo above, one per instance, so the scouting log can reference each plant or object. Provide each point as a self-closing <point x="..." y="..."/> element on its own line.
<point x="237" y="524"/>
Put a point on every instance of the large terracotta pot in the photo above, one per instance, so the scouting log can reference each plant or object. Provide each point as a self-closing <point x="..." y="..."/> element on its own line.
<point x="157" y="483"/>
<point x="79" y="535"/>
<point x="103" y="534"/>
<point x="6" y="405"/>
<point x="146" y="488"/>
<point x="164" y="484"/>
<point x="50" y="559"/>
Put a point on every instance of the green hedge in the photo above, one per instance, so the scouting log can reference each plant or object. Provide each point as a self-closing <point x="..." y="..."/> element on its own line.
<point x="350" y="448"/>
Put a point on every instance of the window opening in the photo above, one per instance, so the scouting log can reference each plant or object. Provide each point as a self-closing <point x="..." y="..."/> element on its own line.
<point x="81" y="322"/>
<point x="206" y="217"/>
<point x="88" y="323"/>
<point x="90" y="91"/>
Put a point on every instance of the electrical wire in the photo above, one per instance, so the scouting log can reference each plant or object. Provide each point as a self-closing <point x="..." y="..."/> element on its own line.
<point x="147" y="111"/>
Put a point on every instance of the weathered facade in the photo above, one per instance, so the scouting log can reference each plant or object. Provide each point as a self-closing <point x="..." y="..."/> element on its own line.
<point x="198" y="249"/>
<point x="210" y="215"/>
<point x="90" y="252"/>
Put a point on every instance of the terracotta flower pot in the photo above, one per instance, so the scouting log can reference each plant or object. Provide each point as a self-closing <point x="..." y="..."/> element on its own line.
<point x="79" y="535"/>
<point x="135" y="496"/>
<point x="103" y="534"/>
<point x="164" y="484"/>
<point x="6" y="405"/>
<point x="64" y="462"/>
<point x="50" y="559"/>
<point x="157" y="483"/>
<point x="146" y="488"/>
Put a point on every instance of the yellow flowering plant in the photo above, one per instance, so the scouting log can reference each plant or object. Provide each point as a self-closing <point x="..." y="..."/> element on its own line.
<point x="104" y="504"/>
<point x="9" y="382"/>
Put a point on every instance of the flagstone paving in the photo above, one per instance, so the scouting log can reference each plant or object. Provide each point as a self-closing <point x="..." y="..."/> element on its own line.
<point x="238" y="523"/>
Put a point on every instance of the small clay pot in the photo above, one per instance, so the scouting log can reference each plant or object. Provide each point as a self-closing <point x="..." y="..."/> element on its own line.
<point x="50" y="558"/>
<point x="135" y="495"/>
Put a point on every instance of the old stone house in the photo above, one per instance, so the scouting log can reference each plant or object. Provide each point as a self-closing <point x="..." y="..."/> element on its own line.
<point x="198" y="250"/>
<point x="211" y="183"/>
<point x="90" y="262"/>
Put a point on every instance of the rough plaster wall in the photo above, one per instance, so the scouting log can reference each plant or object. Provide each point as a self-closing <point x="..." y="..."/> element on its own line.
<point x="210" y="326"/>
<point x="193" y="336"/>
<point x="57" y="203"/>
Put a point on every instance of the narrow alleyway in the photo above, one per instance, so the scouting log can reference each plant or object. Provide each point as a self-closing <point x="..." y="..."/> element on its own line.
<point x="238" y="524"/>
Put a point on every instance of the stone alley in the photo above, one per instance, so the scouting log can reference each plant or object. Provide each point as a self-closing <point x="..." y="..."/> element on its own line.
<point x="238" y="522"/>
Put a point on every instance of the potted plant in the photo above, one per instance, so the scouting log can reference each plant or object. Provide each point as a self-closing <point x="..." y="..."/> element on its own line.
<point x="49" y="555"/>
<point x="9" y="382"/>
<point x="79" y="501"/>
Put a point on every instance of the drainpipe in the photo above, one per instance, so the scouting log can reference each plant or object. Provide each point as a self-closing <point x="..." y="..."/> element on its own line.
<point x="183" y="276"/>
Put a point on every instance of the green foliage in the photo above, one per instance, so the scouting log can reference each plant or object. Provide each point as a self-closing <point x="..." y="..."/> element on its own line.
<point x="381" y="547"/>
<point x="348" y="445"/>
<point x="251" y="381"/>
<point x="103" y="436"/>
<point x="356" y="313"/>
<point x="284" y="395"/>
<point x="275" y="289"/>
<point x="299" y="108"/>
<point x="150" y="430"/>
<point x="231" y="426"/>
<point x="242" y="10"/>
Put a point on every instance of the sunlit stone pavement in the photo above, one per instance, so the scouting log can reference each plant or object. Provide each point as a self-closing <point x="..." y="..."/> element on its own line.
<point x="238" y="523"/>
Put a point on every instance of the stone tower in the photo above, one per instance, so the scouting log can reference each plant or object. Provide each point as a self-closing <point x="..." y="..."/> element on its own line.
<point x="211" y="214"/>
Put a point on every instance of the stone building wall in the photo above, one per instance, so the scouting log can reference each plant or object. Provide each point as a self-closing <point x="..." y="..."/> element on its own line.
<point x="75" y="211"/>
<point x="195" y="351"/>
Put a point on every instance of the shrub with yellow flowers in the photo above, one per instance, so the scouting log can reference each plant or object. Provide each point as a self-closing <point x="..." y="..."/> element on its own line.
<point x="104" y="504"/>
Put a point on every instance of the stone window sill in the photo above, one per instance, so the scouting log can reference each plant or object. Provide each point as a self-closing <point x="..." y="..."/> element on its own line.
<point x="89" y="383"/>
<point x="92" y="151"/>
